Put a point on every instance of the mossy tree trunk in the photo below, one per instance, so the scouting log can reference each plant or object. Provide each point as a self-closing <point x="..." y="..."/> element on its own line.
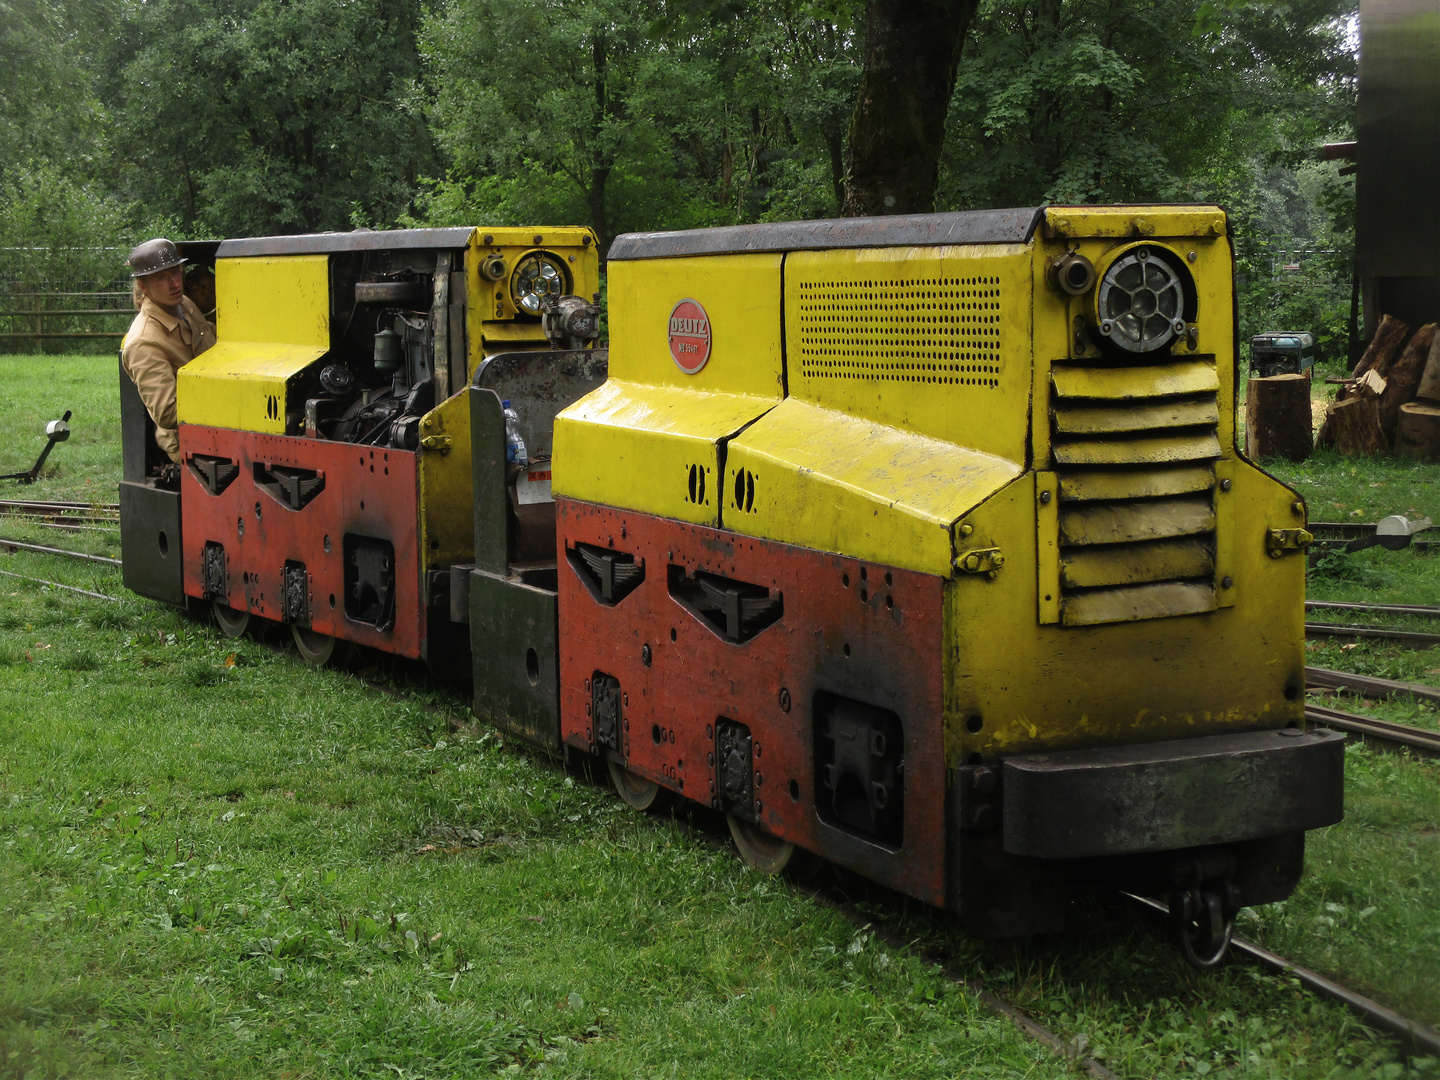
<point x="912" y="54"/>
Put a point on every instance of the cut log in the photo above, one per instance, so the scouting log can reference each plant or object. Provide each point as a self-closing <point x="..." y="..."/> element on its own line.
<point x="1369" y="385"/>
<point x="1389" y="336"/>
<point x="1277" y="417"/>
<point x="1429" y="387"/>
<point x="1404" y="376"/>
<point x="1417" y="433"/>
<point x="1354" y="425"/>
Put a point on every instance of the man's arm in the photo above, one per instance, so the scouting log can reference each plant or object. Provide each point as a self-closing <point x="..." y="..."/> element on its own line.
<point x="155" y="379"/>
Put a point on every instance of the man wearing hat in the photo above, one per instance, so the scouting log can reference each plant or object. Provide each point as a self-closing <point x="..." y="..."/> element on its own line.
<point x="169" y="332"/>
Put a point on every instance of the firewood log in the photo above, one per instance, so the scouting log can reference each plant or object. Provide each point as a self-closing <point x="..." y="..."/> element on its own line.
<point x="1429" y="387"/>
<point x="1383" y="346"/>
<point x="1417" y="432"/>
<point x="1277" y="417"/>
<point x="1404" y="376"/>
<point x="1354" y="425"/>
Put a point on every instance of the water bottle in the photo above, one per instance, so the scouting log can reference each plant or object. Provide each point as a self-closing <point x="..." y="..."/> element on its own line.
<point x="514" y="442"/>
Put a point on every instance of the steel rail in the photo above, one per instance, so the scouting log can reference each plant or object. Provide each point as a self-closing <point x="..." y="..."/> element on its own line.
<point x="58" y="585"/>
<point x="12" y="506"/>
<point x="1418" y="1035"/>
<point x="1407" y="637"/>
<point x="5" y="542"/>
<point x="1369" y="685"/>
<point x="1383" y="609"/>
<point x="1420" y="740"/>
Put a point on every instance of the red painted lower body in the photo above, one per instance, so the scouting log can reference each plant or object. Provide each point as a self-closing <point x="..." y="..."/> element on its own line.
<point x="368" y="492"/>
<point x="849" y="629"/>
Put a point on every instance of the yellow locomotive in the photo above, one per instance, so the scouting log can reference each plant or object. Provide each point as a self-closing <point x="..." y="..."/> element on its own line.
<point x="325" y="440"/>
<point x="924" y="544"/>
<point x="921" y="544"/>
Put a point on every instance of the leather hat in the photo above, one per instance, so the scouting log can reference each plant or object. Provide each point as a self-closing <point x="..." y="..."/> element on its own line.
<point x="153" y="256"/>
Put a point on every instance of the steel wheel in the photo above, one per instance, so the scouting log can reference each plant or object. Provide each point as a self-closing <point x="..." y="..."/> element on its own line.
<point x="637" y="792"/>
<point x="319" y="649"/>
<point x="232" y="622"/>
<point x="761" y="851"/>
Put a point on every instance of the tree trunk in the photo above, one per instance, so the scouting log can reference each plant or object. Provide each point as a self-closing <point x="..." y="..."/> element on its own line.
<point x="1354" y="427"/>
<point x="1382" y="348"/>
<point x="1429" y="387"/>
<point x="912" y="54"/>
<point x="1417" y="433"/>
<point x="1404" y="376"/>
<point x="1277" y="417"/>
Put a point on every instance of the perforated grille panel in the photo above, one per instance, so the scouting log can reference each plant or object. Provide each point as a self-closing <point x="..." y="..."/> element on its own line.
<point x="938" y="330"/>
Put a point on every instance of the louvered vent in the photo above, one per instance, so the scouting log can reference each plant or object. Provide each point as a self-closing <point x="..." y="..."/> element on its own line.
<point x="942" y="330"/>
<point x="1134" y="449"/>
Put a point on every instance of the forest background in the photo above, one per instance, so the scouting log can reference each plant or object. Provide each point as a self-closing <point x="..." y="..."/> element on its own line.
<point x="121" y="119"/>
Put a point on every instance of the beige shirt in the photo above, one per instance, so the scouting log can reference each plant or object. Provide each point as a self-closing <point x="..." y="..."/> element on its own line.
<point x="156" y="347"/>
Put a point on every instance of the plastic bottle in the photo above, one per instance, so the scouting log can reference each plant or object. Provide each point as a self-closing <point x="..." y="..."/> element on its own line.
<point x="514" y="441"/>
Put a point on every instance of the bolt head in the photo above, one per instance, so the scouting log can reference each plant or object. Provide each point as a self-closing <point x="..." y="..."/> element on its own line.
<point x="986" y="780"/>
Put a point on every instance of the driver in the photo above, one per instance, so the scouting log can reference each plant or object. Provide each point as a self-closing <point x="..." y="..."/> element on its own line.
<point x="169" y="332"/>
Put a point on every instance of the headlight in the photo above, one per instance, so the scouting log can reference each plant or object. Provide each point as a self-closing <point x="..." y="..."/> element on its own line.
<point x="536" y="277"/>
<point x="1141" y="302"/>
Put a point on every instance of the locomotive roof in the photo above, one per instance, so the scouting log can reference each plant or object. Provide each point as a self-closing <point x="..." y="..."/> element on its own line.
<point x="332" y="242"/>
<point x="901" y="230"/>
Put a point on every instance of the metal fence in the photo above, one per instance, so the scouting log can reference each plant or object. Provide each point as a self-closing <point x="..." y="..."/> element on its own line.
<point x="54" y="300"/>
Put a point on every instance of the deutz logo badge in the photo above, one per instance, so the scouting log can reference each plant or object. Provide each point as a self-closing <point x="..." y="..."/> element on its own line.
<point x="689" y="336"/>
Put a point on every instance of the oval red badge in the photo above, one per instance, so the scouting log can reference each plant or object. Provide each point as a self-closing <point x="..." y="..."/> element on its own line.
<point x="689" y="336"/>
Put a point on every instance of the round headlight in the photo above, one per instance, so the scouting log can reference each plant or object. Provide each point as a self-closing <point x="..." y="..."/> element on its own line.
<point x="1141" y="302"/>
<point x="536" y="277"/>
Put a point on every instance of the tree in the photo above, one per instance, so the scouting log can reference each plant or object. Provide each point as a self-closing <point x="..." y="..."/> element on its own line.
<point x="912" y="51"/>
<point x="246" y="117"/>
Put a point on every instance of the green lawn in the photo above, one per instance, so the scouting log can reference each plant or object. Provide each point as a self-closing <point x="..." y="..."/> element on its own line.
<point x="215" y="861"/>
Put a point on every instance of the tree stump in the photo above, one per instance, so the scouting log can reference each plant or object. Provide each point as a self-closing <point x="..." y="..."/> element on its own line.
<point x="1403" y="377"/>
<point x="1429" y="387"/>
<point x="1389" y="336"/>
<point x="1417" y="432"/>
<point x="1277" y="417"/>
<point x="1353" y="426"/>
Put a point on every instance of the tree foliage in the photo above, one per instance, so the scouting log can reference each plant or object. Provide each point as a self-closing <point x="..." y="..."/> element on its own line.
<point x="253" y="116"/>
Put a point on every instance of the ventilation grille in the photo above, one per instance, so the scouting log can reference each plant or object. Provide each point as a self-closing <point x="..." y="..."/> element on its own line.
<point x="1134" y="449"/>
<point x="943" y="330"/>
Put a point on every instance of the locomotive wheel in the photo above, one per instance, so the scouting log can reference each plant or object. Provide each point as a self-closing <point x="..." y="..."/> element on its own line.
<point x="637" y="792"/>
<point x="232" y="622"/>
<point x="761" y="851"/>
<point x="319" y="650"/>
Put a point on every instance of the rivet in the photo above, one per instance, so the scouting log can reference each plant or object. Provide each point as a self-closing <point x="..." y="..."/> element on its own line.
<point x="645" y="655"/>
<point x="1192" y="256"/>
<point x="1298" y="507"/>
<point x="1045" y="498"/>
<point x="784" y="699"/>
<point x="1224" y="485"/>
<point x="966" y="530"/>
<point x="1274" y="554"/>
<point x="1227" y="583"/>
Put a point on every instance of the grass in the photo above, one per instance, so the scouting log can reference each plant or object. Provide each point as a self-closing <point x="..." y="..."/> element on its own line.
<point x="85" y="468"/>
<point x="217" y="862"/>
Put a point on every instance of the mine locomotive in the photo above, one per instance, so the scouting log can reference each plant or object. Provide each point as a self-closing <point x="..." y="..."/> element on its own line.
<point x="325" y="480"/>
<point x="919" y="544"/>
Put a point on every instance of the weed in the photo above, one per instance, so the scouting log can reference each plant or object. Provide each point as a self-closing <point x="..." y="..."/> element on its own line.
<point x="201" y="673"/>
<point x="81" y="660"/>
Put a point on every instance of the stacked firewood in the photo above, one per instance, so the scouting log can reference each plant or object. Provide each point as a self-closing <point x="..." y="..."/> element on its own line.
<point x="1391" y="401"/>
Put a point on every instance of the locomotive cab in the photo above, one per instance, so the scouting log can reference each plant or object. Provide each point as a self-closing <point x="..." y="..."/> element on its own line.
<point x="925" y="544"/>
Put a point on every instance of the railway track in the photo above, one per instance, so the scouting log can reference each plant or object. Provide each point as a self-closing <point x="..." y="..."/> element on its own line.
<point x="1423" y="610"/>
<point x="1411" y="638"/>
<point x="1386" y="732"/>
<point x="1422" y="1038"/>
